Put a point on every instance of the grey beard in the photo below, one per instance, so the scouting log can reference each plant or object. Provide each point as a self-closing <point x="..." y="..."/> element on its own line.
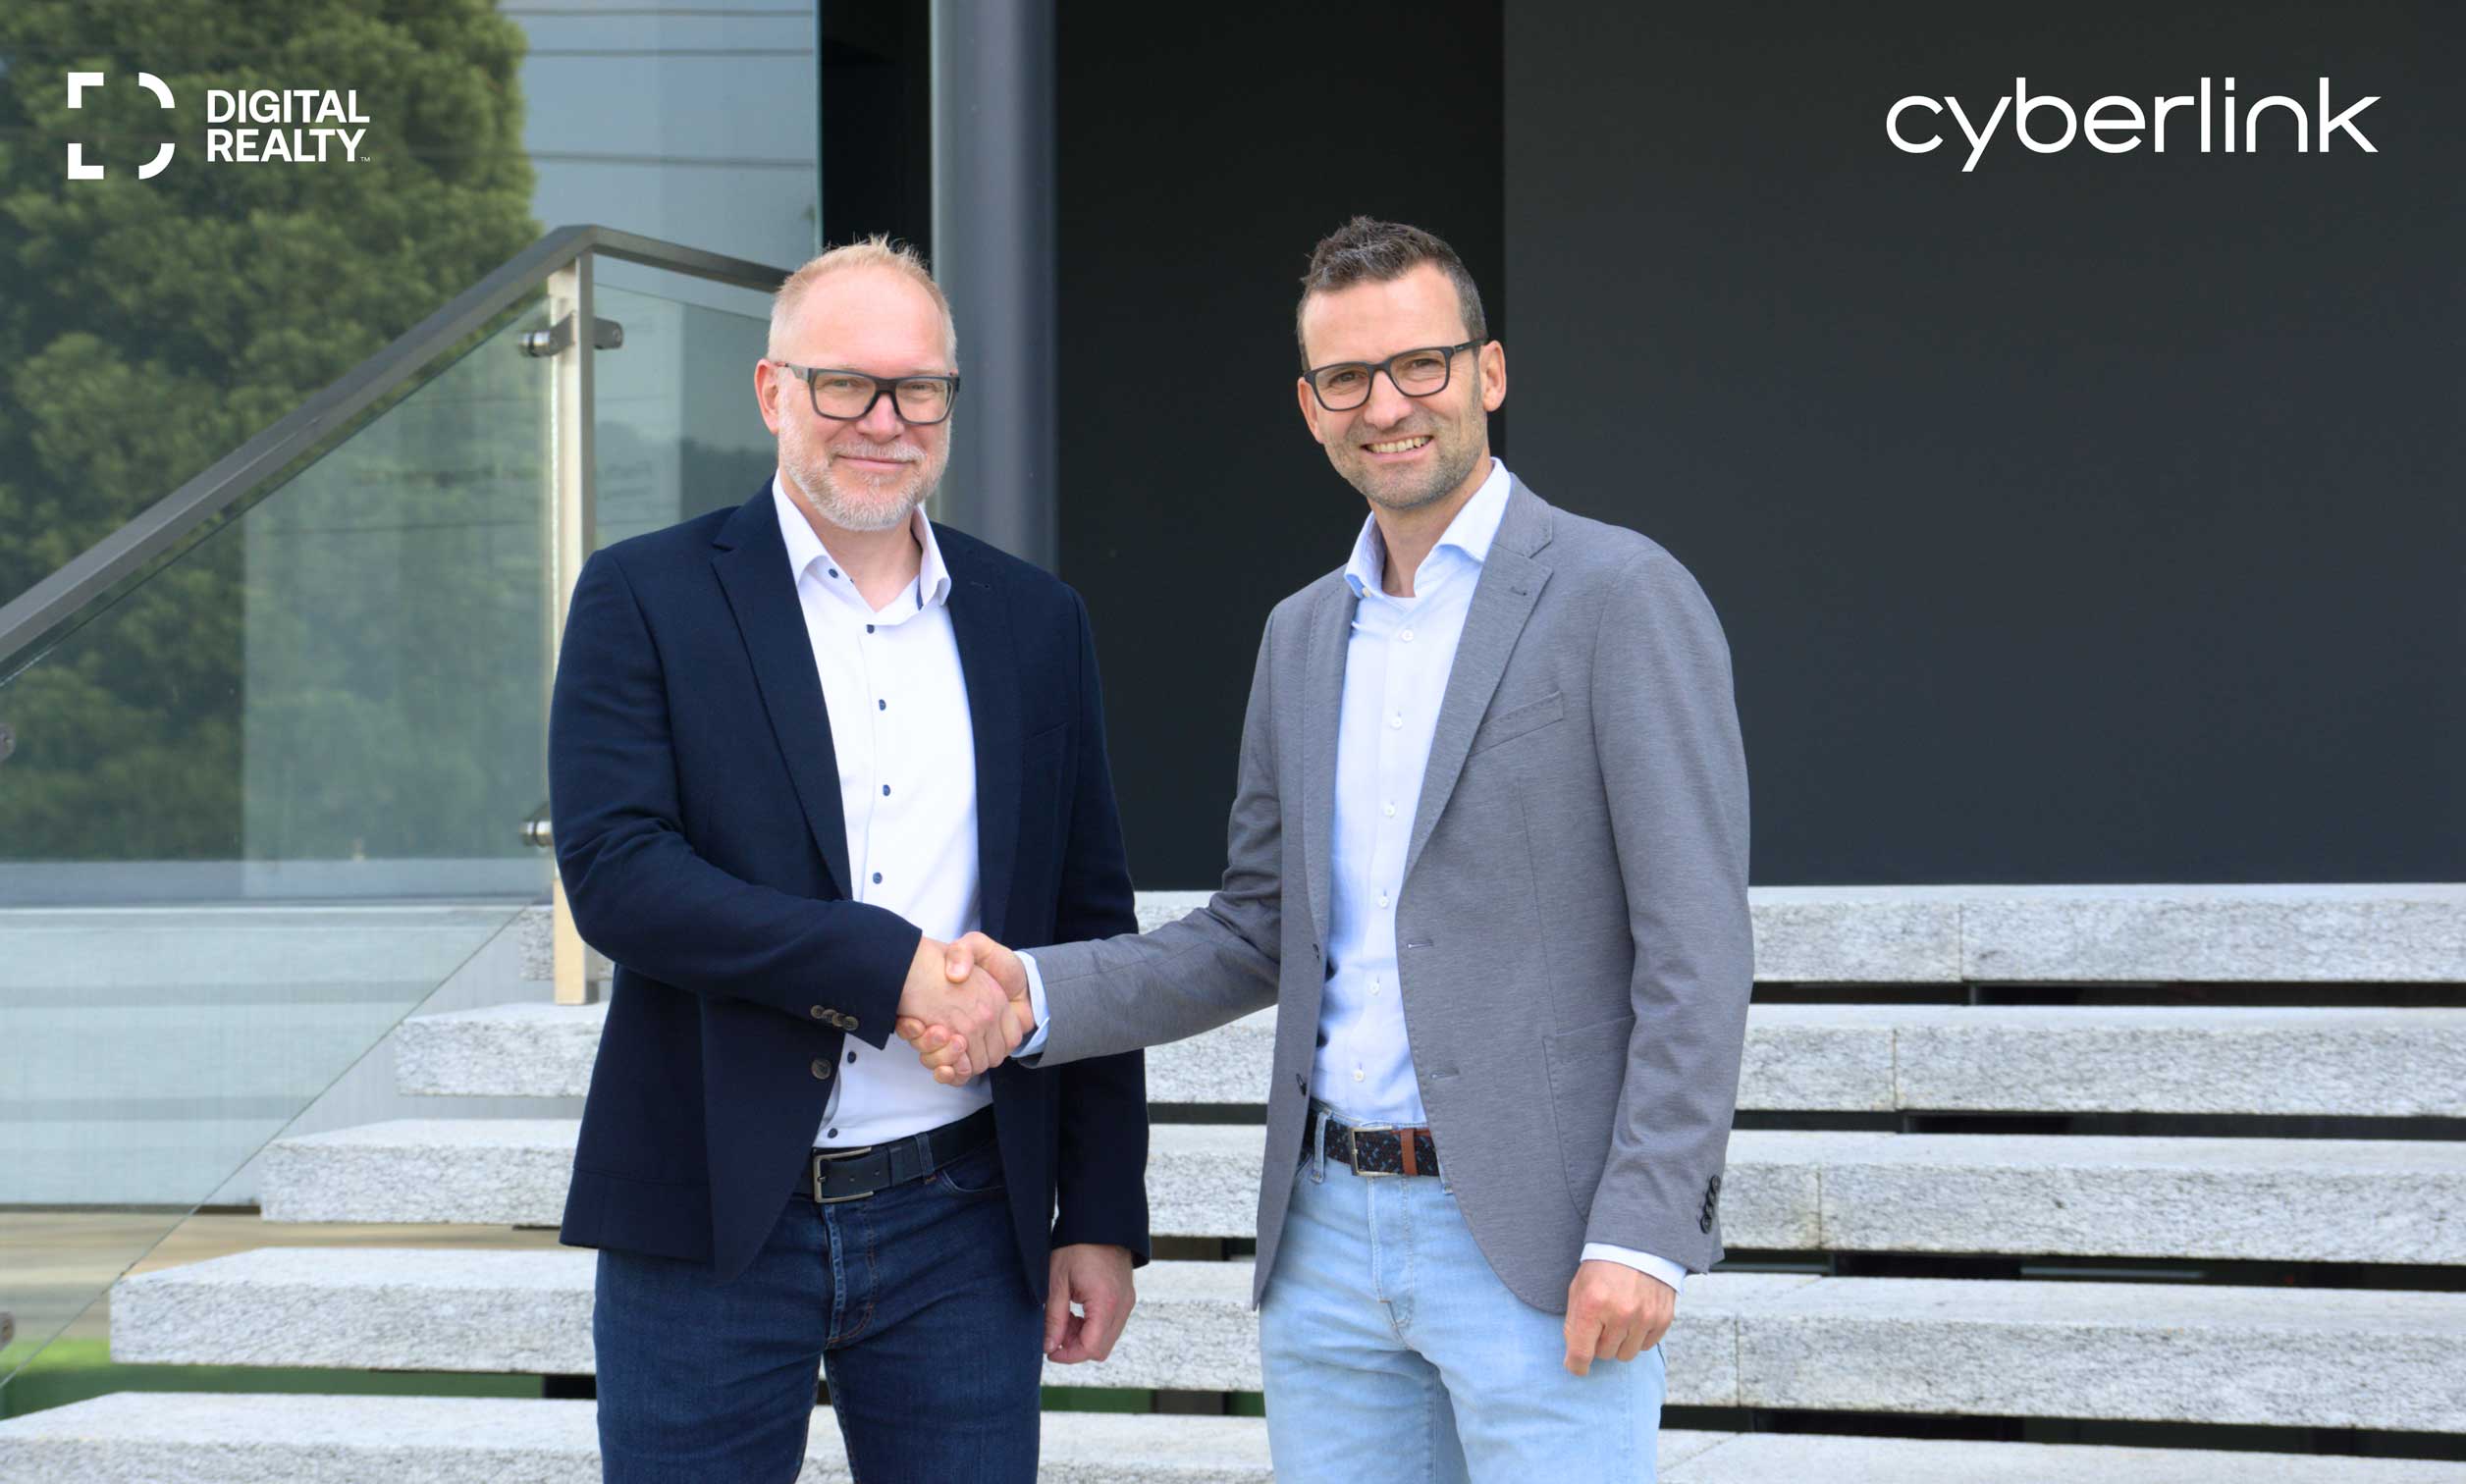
<point x="833" y="503"/>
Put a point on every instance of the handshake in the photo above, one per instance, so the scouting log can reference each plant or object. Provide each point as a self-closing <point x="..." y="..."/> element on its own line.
<point x="965" y="1006"/>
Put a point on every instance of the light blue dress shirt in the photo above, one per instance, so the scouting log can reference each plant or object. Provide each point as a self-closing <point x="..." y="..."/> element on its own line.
<point x="1395" y="677"/>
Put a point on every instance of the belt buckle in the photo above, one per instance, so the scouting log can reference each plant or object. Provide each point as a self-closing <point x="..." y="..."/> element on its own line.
<point x="833" y="1158"/>
<point x="1356" y="1162"/>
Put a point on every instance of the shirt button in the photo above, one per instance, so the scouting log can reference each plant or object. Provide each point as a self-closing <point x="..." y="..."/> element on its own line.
<point x="833" y="1133"/>
<point x="877" y="877"/>
<point x="1383" y="899"/>
<point x="885" y="790"/>
<point x="835" y="571"/>
<point x="851" y="1058"/>
<point x="1391" y="811"/>
<point x="1406" y="636"/>
<point x="1396" y="720"/>
<point x="882" y="705"/>
<point x="1357" y="1074"/>
<point x="869" y="628"/>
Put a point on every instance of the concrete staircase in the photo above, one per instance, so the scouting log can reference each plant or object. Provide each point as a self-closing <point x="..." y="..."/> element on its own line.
<point x="1907" y="1257"/>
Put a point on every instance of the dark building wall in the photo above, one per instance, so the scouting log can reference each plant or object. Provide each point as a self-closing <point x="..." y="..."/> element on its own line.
<point x="1203" y="152"/>
<point x="2084" y="517"/>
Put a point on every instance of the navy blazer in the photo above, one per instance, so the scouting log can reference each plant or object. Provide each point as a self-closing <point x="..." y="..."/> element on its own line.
<point x="695" y="795"/>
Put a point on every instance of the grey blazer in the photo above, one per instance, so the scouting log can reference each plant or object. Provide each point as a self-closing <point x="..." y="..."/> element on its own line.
<point x="1573" y="945"/>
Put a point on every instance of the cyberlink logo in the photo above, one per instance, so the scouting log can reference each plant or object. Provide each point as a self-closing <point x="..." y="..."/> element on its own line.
<point x="78" y="169"/>
<point x="2112" y="125"/>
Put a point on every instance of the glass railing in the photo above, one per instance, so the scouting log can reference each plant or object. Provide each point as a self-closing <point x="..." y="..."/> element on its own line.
<point x="678" y="432"/>
<point x="274" y="772"/>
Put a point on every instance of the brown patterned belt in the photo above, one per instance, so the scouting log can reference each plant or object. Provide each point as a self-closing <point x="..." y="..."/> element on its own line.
<point x="1372" y="1149"/>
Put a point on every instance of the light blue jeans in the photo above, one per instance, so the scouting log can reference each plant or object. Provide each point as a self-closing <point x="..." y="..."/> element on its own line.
<point x="1392" y="1352"/>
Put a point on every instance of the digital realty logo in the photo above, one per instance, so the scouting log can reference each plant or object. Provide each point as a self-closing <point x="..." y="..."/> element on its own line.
<point x="2112" y="125"/>
<point x="322" y="110"/>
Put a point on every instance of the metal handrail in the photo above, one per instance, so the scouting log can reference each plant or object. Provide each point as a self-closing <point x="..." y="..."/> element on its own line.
<point x="43" y="608"/>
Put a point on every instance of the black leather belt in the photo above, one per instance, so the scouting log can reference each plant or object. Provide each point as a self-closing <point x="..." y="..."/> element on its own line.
<point x="832" y="1176"/>
<point x="1372" y="1151"/>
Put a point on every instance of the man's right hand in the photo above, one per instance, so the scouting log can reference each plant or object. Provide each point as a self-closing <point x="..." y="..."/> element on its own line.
<point x="971" y="1006"/>
<point x="948" y="1055"/>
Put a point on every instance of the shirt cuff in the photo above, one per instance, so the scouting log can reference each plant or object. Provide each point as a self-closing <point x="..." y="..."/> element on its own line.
<point x="1036" y="1004"/>
<point x="1669" y="1273"/>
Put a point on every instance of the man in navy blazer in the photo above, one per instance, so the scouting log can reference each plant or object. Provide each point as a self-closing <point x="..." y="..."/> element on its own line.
<point x="795" y="748"/>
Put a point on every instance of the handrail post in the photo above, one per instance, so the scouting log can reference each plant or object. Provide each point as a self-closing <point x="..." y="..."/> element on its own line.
<point x="573" y="517"/>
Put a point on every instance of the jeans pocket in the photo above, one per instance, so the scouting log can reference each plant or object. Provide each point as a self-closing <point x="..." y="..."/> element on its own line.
<point x="979" y="1171"/>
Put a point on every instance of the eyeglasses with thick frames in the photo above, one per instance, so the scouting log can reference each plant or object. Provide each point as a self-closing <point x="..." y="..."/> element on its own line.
<point x="1342" y="386"/>
<point x="844" y="395"/>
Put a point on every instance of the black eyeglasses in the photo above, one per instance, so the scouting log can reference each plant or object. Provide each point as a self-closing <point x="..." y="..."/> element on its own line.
<point x="846" y="395"/>
<point x="1342" y="386"/>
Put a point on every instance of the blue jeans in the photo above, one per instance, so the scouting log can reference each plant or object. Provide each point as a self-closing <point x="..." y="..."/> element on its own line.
<point x="912" y="1301"/>
<point x="1392" y="1352"/>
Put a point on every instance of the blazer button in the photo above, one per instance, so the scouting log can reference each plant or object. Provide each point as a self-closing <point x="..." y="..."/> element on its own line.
<point x="847" y="1022"/>
<point x="818" y="1013"/>
<point x="822" y="1069"/>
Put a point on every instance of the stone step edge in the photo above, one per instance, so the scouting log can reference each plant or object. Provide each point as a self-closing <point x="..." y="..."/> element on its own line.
<point x="1781" y="1339"/>
<point x="1814" y="1058"/>
<point x="1789" y="1189"/>
<point x="131" y="1436"/>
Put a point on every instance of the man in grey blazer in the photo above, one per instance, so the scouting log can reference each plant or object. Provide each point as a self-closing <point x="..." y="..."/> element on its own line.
<point x="1489" y="856"/>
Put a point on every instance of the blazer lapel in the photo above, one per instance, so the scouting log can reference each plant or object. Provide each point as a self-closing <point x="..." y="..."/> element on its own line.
<point x="1511" y="584"/>
<point x="753" y="571"/>
<point x="980" y="620"/>
<point x="1322" y="709"/>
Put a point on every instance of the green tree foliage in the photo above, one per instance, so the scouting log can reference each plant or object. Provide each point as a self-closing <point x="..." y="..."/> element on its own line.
<point x="149" y="327"/>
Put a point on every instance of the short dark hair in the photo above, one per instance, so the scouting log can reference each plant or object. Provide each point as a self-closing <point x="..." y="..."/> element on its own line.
<point x="1368" y="251"/>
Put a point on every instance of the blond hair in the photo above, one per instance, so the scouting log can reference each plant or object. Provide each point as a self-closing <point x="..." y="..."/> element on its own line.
<point x="877" y="251"/>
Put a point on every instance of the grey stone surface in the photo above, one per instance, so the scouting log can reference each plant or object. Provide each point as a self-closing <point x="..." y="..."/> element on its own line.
<point x="1856" y="935"/>
<point x="2312" y="1200"/>
<point x="206" y="1438"/>
<point x="1202" y="1180"/>
<point x="2332" y="933"/>
<point x="2360" y="1062"/>
<point x="2368" y="1062"/>
<point x="1815" y="1459"/>
<point x="494" y="1172"/>
<point x="539" y="956"/>
<point x="2381" y="1359"/>
<point x="2400" y="1200"/>
<point x="2282" y="1358"/>
<point x="462" y="1310"/>
<point x="2260" y="933"/>
<point x="521" y="1050"/>
<point x="1812" y="1057"/>
<point x="1227" y="1064"/>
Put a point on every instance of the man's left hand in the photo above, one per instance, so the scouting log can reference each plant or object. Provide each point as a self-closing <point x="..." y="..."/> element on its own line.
<point x="1098" y="1279"/>
<point x="1615" y="1314"/>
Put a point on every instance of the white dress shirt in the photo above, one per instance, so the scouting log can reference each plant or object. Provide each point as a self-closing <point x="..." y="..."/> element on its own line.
<point x="899" y="706"/>
<point x="1395" y="676"/>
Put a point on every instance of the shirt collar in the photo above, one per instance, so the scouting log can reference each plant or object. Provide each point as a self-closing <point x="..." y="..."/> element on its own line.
<point x="804" y="549"/>
<point x="1471" y="533"/>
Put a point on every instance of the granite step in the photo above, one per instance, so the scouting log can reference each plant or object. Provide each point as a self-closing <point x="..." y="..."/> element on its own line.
<point x="2360" y="1200"/>
<point x="209" y="1438"/>
<point x="2350" y="1358"/>
<point x="2295" y="932"/>
<point x="2320" y="1061"/>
